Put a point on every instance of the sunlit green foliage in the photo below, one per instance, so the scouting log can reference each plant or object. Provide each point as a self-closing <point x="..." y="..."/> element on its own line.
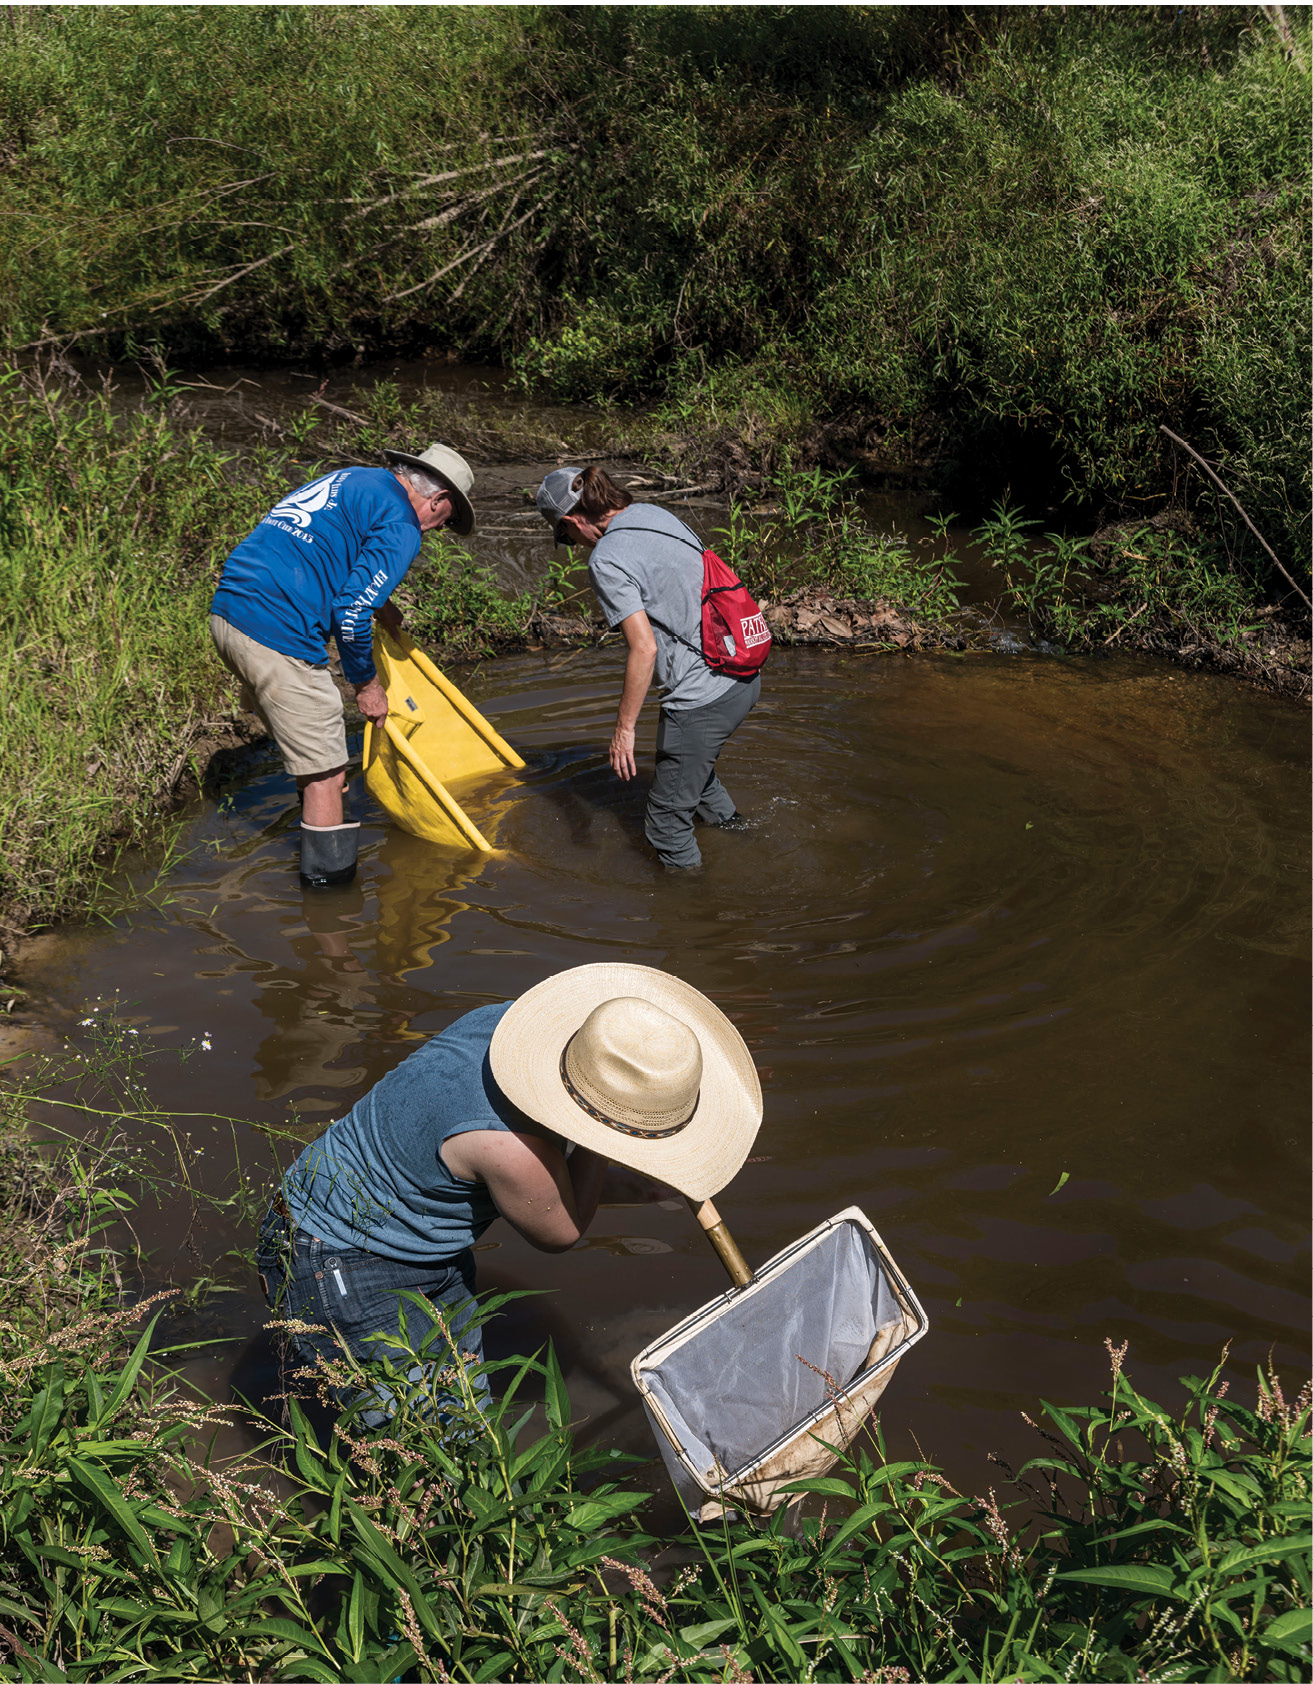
<point x="111" y="531"/>
<point x="1011" y="239"/>
<point x="1141" y="1542"/>
<point x="1159" y="582"/>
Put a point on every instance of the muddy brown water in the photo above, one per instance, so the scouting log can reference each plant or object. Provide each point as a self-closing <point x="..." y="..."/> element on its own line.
<point x="995" y="921"/>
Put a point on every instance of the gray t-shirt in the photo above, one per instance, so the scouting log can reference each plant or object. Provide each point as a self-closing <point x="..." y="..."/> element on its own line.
<point x="647" y="558"/>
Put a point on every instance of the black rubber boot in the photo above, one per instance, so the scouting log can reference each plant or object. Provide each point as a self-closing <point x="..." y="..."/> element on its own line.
<point x="328" y="854"/>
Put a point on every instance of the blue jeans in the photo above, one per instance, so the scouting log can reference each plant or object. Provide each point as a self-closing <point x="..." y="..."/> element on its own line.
<point x="349" y="1297"/>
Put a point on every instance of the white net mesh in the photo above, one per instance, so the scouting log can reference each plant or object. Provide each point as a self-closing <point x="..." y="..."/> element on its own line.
<point x="738" y="1378"/>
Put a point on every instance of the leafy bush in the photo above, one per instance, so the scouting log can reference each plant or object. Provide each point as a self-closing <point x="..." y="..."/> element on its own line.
<point x="112" y="531"/>
<point x="1159" y="580"/>
<point x="811" y="533"/>
<point x="1014" y="240"/>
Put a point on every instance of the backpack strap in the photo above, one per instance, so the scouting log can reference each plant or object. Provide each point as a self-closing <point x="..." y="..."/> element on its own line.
<point x="656" y="530"/>
<point x="699" y="547"/>
<point x="661" y="626"/>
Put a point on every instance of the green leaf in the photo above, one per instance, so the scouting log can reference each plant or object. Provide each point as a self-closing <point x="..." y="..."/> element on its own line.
<point x="128" y="1378"/>
<point x="1144" y="1526"/>
<point x="308" y="1667"/>
<point x="697" y="1636"/>
<point x="1064" y="1423"/>
<point x="1138" y="1576"/>
<point x="377" y="1546"/>
<point x="46" y="1412"/>
<point x="1274" y="1549"/>
<point x="557" y="1401"/>
<point x="355" y="1618"/>
<point x="1293" y="1627"/>
<point x="1239" y="1486"/>
<point x="309" y="1462"/>
<point x="822" y="1487"/>
<point x="595" y="1511"/>
<point x="1065" y="1177"/>
<point x="110" y="1496"/>
<point x="290" y="1632"/>
<point x="335" y="1509"/>
<point x="855" y="1523"/>
<point x="895" y="1470"/>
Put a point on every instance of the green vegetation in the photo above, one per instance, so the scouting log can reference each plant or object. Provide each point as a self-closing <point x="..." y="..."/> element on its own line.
<point x="1006" y="241"/>
<point x="109" y="531"/>
<point x="997" y="247"/>
<point x="1154" y="587"/>
<point x="1140" y="1542"/>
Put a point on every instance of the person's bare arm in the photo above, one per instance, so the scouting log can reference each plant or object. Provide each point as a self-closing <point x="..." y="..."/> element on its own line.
<point x="639" y="665"/>
<point x="543" y="1196"/>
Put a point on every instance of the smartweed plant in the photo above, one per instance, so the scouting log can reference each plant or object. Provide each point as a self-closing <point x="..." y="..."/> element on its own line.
<point x="468" y="1536"/>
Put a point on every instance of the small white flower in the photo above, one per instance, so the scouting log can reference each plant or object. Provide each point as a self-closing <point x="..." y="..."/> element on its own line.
<point x="85" y="1022"/>
<point x="205" y="1045"/>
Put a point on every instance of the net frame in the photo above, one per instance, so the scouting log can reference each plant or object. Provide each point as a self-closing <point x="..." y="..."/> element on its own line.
<point x="807" y="1447"/>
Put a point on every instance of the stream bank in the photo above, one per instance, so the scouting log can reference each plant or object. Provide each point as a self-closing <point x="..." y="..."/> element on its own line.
<point x="122" y="499"/>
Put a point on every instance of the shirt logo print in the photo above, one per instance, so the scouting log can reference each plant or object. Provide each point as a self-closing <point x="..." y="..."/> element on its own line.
<point x="302" y="504"/>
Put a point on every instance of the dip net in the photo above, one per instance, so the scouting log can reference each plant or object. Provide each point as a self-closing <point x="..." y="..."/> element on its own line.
<point x="770" y="1382"/>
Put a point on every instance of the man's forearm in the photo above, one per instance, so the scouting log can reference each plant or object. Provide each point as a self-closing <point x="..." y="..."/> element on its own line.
<point x="639" y="666"/>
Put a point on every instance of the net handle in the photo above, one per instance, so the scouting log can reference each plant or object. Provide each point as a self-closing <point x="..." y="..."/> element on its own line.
<point x="722" y="1241"/>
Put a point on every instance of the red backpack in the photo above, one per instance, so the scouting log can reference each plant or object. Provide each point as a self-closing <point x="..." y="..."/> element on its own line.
<point x="735" y="637"/>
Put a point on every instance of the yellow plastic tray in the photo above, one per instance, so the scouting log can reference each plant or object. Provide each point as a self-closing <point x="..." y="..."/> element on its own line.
<point x="431" y="736"/>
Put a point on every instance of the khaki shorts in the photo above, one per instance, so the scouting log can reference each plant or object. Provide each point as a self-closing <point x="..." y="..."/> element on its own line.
<point x="299" y="704"/>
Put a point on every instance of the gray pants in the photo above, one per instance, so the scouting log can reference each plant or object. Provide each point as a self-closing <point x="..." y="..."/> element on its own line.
<point x="688" y="743"/>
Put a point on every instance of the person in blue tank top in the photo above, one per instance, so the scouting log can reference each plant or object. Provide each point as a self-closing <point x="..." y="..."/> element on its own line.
<point x="324" y="562"/>
<point x="514" y="1111"/>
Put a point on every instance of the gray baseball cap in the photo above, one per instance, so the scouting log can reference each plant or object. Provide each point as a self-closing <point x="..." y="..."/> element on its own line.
<point x="557" y="495"/>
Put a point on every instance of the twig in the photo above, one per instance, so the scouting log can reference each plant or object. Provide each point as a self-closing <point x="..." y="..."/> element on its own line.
<point x="427" y="181"/>
<point x="1126" y="622"/>
<point x="337" y="409"/>
<point x="258" y="264"/>
<point x="470" y="251"/>
<point x="453" y="211"/>
<point x="1176" y="439"/>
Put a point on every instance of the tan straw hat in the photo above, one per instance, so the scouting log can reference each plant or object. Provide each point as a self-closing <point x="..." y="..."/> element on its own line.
<point x="454" y="472"/>
<point x="637" y="1065"/>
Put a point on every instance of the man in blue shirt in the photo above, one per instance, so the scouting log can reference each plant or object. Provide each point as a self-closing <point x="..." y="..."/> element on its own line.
<point x="324" y="562"/>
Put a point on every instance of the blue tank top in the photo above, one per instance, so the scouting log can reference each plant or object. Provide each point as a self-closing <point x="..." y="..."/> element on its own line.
<point x="375" y="1181"/>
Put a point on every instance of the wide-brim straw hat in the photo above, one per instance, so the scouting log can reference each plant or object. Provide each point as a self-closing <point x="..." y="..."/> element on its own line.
<point x="634" y="1095"/>
<point x="454" y="472"/>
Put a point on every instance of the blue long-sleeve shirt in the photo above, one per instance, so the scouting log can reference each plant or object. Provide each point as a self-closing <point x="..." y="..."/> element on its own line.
<point x="320" y="563"/>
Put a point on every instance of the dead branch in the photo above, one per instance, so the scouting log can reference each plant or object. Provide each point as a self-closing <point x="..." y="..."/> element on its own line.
<point x="428" y="181"/>
<point x="348" y="414"/>
<point x="1276" y="562"/>
<point x="249" y="269"/>
<point x="466" y="255"/>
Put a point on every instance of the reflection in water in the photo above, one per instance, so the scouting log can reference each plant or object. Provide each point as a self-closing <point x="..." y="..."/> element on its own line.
<point x="992" y="923"/>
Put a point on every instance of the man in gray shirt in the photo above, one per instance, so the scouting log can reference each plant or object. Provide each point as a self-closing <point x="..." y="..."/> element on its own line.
<point x="646" y="568"/>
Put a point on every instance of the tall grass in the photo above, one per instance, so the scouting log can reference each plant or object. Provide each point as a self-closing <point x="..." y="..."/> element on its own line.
<point x="1005" y="241"/>
<point x="1140" y="1542"/>
<point x="111" y="534"/>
